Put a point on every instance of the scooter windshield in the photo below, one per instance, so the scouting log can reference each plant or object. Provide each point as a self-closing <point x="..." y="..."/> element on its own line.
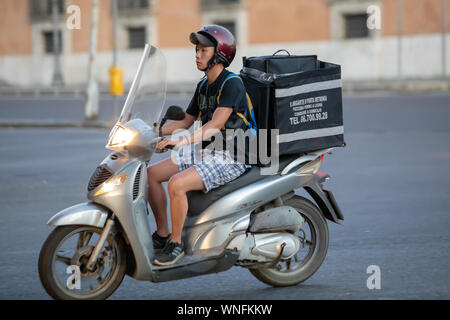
<point x="147" y="95"/>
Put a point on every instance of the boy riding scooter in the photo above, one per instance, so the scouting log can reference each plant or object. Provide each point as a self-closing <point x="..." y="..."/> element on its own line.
<point x="220" y="103"/>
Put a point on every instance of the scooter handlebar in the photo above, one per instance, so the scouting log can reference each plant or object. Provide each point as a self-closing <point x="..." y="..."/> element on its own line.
<point x="171" y="147"/>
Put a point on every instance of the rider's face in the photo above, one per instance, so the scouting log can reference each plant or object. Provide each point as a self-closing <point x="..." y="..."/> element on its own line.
<point x="203" y="55"/>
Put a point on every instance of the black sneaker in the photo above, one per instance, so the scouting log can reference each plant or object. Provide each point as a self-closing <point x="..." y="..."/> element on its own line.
<point x="172" y="252"/>
<point x="159" y="242"/>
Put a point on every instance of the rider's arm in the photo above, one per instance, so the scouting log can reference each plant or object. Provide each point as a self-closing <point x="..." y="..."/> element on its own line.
<point x="213" y="126"/>
<point x="170" y="127"/>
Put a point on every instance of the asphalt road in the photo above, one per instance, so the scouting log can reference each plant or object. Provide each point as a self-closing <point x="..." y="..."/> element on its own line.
<point x="64" y="109"/>
<point x="391" y="182"/>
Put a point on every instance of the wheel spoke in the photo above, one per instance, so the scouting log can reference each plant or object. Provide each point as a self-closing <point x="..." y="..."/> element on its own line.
<point x="99" y="279"/>
<point x="288" y="264"/>
<point x="80" y="242"/>
<point x="65" y="260"/>
<point x="83" y="239"/>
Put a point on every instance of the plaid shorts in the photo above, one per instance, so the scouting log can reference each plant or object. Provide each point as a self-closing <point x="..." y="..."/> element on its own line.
<point x="215" y="167"/>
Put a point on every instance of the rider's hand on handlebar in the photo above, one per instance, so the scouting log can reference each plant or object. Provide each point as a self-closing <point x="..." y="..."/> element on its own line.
<point x="166" y="143"/>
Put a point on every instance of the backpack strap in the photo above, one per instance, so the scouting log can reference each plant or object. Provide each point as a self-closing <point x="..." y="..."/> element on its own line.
<point x="252" y="123"/>
<point x="231" y="75"/>
<point x="251" y="112"/>
<point x="202" y="83"/>
<point x="198" y="99"/>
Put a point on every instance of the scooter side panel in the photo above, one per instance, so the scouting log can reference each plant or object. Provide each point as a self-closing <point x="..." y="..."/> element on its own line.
<point x="209" y="238"/>
<point x="213" y="228"/>
<point x="252" y="196"/>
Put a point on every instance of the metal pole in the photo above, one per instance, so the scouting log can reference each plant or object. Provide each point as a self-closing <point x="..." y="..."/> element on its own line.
<point x="114" y="11"/>
<point x="399" y="32"/>
<point x="57" y="76"/>
<point x="91" y="109"/>
<point x="444" y="44"/>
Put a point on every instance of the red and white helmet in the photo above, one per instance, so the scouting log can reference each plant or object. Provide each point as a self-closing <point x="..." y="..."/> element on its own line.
<point x="218" y="37"/>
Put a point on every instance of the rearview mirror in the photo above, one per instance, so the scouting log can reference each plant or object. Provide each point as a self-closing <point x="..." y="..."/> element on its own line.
<point x="174" y="113"/>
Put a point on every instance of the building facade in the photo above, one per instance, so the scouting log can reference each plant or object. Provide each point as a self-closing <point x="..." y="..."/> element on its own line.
<point x="372" y="40"/>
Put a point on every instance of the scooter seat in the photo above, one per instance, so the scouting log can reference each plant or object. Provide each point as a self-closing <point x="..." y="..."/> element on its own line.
<point x="198" y="201"/>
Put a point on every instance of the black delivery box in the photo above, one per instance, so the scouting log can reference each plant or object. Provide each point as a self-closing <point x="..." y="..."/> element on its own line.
<point x="298" y="95"/>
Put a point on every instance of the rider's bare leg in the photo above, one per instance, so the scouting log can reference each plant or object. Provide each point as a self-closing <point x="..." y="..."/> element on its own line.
<point x="179" y="184"/>
<point x="158" y="173"/>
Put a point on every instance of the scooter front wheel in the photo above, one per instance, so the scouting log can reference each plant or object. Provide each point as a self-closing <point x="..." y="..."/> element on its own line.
<point x="314" y="238"/>
<point x="63" y="259"/>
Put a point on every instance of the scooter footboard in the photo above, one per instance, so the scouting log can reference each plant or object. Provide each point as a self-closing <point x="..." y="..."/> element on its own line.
<point x="196" y="266"/>
<point x="87" y="213"/>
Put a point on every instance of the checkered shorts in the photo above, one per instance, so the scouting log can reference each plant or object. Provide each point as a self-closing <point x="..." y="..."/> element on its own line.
<point x="215" y="167"/>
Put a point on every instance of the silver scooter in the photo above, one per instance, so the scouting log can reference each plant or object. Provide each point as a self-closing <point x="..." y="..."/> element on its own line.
<point x="255" y="221"/>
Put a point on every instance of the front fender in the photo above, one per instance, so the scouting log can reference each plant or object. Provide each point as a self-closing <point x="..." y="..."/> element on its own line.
<point x="87" y="213"/>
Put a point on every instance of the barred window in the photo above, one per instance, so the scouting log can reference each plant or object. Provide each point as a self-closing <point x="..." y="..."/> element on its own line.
<point x="136" y="37"/>
<point x="43" y="8"/>
<point x="124" y="5"/>
<point x="356" y="26"/>
<point x="206" y="3"/>
<point x="48" y="41"/>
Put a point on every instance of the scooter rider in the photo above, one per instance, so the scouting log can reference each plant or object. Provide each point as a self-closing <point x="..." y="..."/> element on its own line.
<point x="218" y="101"/>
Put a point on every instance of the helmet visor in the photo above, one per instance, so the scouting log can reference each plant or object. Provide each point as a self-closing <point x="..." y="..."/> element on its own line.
<point x="197" y="38"/>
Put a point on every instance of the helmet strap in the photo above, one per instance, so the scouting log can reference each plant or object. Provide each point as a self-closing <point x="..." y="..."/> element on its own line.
<point x="211" y="63"/>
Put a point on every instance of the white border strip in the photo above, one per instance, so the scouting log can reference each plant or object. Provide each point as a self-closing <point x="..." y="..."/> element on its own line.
<point x="310" y="87"/>
<point x="308" y="134"/>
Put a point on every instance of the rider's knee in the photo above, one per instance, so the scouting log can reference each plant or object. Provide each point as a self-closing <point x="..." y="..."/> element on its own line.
<point x="152" y="174"/>
<point x="175" y="186"/>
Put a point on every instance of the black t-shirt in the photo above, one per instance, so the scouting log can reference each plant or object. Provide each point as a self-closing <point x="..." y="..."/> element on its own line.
<point x="233" y="95"/>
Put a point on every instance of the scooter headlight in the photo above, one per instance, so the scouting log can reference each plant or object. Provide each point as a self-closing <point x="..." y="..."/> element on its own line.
<point x="120" y="137"/>
<point x="111" y="184"/>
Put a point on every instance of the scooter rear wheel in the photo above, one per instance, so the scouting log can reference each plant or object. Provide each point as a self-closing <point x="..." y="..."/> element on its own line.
<point x="63" y="258"/>
<point x="315" y="237"/>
